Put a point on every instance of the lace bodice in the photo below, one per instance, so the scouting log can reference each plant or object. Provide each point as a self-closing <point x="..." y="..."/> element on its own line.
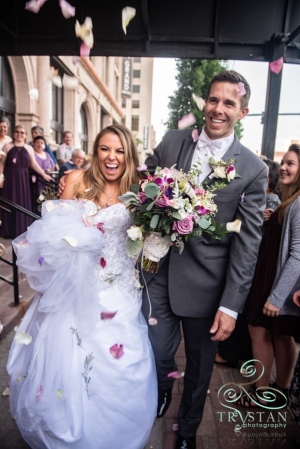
<point x="114" y="267"/>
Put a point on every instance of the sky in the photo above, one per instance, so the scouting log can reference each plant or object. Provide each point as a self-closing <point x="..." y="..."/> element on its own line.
<point x="256" y="73"/>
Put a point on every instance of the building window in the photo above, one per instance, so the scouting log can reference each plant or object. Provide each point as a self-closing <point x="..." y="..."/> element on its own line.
<point x="135" y="123"/>
<point x="83" y="130"/>
<point x="136" y="89"/>
<point x="57" y="113"/>
<point x="7" y="97"/>
<point x="136" y="73"/>
<point x="136" y="59"/>
<point x="135" y="103"/>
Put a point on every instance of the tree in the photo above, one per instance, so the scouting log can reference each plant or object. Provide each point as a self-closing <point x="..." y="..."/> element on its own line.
<point x="193" y="76"/>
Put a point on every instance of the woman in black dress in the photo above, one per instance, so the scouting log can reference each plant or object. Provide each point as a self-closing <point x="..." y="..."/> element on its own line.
<point x="272" y="316"/>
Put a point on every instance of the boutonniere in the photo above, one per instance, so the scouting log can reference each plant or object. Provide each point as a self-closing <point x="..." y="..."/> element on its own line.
<point x="223" y="169"/>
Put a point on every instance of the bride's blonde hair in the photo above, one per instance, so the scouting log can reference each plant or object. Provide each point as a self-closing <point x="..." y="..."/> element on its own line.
<point x="93" y="178"/>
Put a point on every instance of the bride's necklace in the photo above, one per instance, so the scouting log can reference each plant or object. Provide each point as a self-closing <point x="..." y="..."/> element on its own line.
<point x="111" y="197"/>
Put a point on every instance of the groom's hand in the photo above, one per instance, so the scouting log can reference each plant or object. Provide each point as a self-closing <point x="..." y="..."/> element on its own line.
<point x="222" y="326"/>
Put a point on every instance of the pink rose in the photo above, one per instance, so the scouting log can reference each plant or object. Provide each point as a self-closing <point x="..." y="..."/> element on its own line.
<point x="184" y="226"/>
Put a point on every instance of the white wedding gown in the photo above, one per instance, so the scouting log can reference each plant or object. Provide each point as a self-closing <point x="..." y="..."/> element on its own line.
<point x="87" y="379"/>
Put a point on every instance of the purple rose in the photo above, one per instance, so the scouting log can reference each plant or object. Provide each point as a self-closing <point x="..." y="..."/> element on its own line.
<point x="142" y="197"/>
<point x="184" y="226"/>
<point x="163" y="201"/>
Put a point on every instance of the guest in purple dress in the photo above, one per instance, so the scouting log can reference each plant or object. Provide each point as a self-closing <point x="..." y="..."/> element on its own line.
<point x="14" y="181"/>
<point x="43" y="159"/>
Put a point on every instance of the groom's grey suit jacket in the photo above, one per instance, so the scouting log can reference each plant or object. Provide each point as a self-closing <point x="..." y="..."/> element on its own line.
<point x="213" y="272"/>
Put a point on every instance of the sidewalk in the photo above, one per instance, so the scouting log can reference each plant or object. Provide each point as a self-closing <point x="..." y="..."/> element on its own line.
<point x="262" y="429"/>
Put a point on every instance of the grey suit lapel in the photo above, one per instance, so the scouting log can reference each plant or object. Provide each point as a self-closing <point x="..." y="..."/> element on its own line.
<point x="186" y="154"/>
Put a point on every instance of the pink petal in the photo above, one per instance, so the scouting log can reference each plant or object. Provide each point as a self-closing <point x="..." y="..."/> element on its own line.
<point x="103" y="262"/>
<point x="41" y="260"/>
<point x="241" y="89"/>
<point x="34" y="5"/>
<point x="276" y="66"/>
<point x="66" y="9"/>
<point x="142" y="167"/>
<point x="175" y="427"/>
<point x="84" y="50"/>
<point x="195" y="135"/>
<point x="1" y="327"/>
<point x="14" y="160"/>
<point x="75" y="59"/>
<point x="33" y="178"/>
<point x="39" y="393"/>
<point x="107" y="315"/>
<point x="186" y="121"/>
<point x="85" y="221"/>
<point x="175" y="375"/>
<point x="152" y="321"/>
<point x="100" y="227"/>
<point x="116" y="351"/>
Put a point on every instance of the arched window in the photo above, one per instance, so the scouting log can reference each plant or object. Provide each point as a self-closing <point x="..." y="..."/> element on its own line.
<point x="83" y="130"/>
<point x="7" y="96"/>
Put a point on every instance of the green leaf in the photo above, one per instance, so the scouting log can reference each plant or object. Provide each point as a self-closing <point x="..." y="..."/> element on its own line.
<point x="177" y="215"/>
<point x="204" y="222"/>
<point x="150" y="205"/>
<point x="154" y="221"/>
<point x="128" y="197"/>
<point x="134" y="188"/>
<point x="133" y="247"/>
<point x="151" y="190"/>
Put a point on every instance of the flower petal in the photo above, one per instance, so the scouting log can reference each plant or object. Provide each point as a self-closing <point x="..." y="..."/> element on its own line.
<point x="234" y="226"/>
<point x="142" y="167"/>
<point x="71" y="240"/>
<point x="59" y="393"/>
<point x="128" y="14"/>
<point x="33" y="94"/>
<point x="84" y="50"/>
<point x="199" y="102"/>
<point x="22" y="338"/>
<point x="107" y="315"/>
<point x="241" y="88"/>
<point x="34" y="5"/>
<point x="40" y="261"/>
<point x="39" y="394"/>
<point x="84" y="31"/>
<point x="276" y="66"/>
<point x="5" y="392"/>
<point x="175" y="427"/>
<point x="186" y="121"/>
<point x="1" y="327"/>
<point x="116" y="351"/>
<point x="100" y="227"/>
<point x="50" y="206"/>
<point x="67" y="9"/>
<point x="152" y="321"/>
<point x="195" y="135"/>
<point x="75" y="59"/>
<point x="103" y="262"/>
<point x="175" y="375"/>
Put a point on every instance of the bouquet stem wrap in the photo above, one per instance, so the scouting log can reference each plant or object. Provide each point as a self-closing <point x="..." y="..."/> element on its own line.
<point x="154" y="249"/>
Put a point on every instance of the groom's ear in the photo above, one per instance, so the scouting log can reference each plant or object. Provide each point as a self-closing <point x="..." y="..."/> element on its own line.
<point x="243" y="113"/>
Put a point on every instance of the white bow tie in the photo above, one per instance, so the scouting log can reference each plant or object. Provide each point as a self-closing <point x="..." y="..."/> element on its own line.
<point x="214" y="146"/>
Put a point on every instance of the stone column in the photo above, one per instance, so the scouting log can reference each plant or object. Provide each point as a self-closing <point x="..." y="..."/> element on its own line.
<point x="43" y="68"/>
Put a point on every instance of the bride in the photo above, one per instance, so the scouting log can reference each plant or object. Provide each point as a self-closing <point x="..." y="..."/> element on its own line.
<point x="81" y="365"/>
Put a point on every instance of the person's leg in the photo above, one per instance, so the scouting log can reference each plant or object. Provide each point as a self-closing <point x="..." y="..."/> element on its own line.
<point x="285" y="353"/>
<point x="165" y="336"/>
<point x="200" y="354"/>
<point x="262" y="349"/>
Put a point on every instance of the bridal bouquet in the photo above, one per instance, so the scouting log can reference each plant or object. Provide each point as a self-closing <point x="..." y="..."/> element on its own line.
<point x="168" y="208"/>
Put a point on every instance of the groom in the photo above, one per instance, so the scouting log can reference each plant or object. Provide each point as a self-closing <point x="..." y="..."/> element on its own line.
<point x="205" y="287"/>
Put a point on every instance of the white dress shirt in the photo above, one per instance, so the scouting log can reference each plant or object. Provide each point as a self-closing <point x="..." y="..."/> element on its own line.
<point x="205" y="149"/>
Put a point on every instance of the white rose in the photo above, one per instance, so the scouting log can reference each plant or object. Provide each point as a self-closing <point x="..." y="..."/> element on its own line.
<point x="234" y="226"/>
<point x="219" y="172"/>
<point x="135" y="233"/>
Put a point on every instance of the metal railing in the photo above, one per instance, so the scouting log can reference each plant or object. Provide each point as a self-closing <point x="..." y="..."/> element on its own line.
<point x="13" y="209"/>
